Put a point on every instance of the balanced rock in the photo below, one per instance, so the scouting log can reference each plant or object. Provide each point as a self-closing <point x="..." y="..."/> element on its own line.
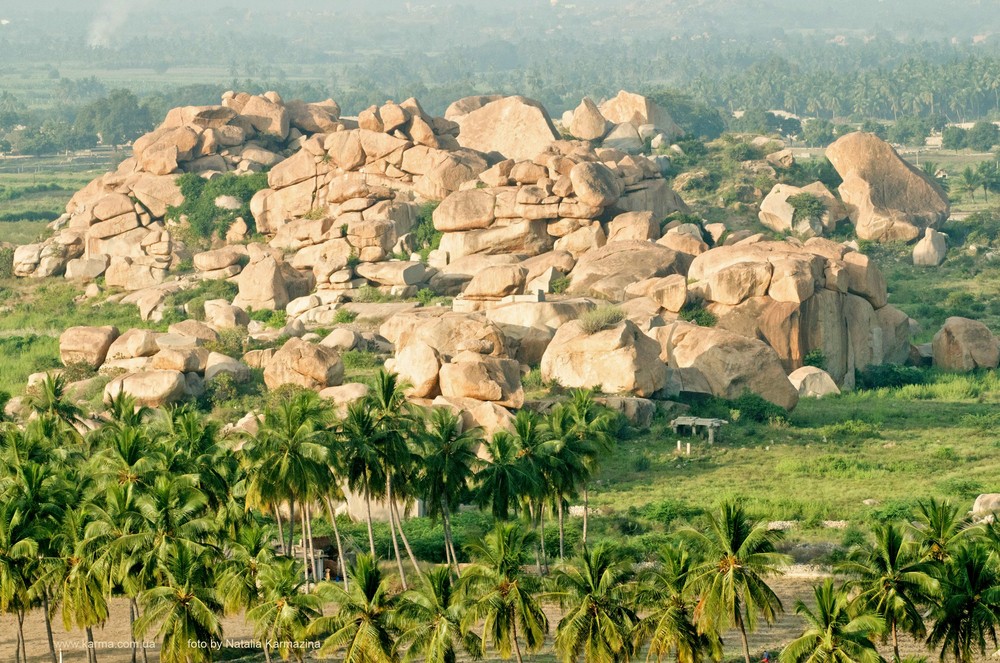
<point x="588" y="123"/>
<point x="931" y="250"/>
<point x="888" y="199"/>
<point x="515" y="127"/>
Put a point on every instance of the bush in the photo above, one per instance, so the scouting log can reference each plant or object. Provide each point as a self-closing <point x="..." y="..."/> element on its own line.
<point x="560" y="285"/>
<point x="204" y="218"/>
<point x="230" y="343"/>
<point x="369" y="294"/>
<point x="753" y="407"/>
<point x="601" y="318"/>
<point x="273" y="319"/>
<point x="815" y="358"/>
<point x="343" y="316"/>
<point x="807" y="207"/>
<point x="193" y="300"/>
<point x="6" y="262"/>
<point x="888" y="376"/>
<point x="698" y="314"/>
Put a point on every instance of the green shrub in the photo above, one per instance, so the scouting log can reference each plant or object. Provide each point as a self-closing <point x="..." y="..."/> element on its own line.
<point x="230" y="343"/>
<point x="369" y="294"/>
<point x="852" y="429"/>
<point x="600" y="318"/>
<point x="273" y="319"/>
<point x="344" y="316"/>
<point x="888" y="375"/>
<point x="425" y="296"/>
<point x="560" y="285"/>
<point x="424" y="234"/>
<point x="698" y="314"/>
<point x="807" y="207"/>
<point x="6" y="262"/>
<point x="641" y="463"/>
<point x="753" y="407"/>
<point x="358" y="359"/>
<point x="204" y="218"/>
<point x="815" y="358"/>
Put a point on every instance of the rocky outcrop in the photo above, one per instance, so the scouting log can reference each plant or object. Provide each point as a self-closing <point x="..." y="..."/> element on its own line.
<point x="780" y="215"/>
<point x="931" y="250"/>
<point x="887" y="198"/>
<point x="86" y="345"/>
<point x="638" y="111"/>
<point x="965" y="345"/>
<point x="483" y="378"/>
<point x="512" y="127"/>
<point x="304" y="364"/>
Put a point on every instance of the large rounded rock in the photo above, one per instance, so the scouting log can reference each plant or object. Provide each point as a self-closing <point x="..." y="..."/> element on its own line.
<point x="618" y="360"/>
<point x="638" y="110"/>
<point x="471" y="209"/>
<point x="133" y="344"/>
<point x="496" y="282"/>
<point x="450" y="332"/>
<point x="301" y="363"/>
<point x="484" y="378"/>
<point x="418" y="364"/>
<point x="888" y="199"/>
<point x="965" y="345"/>
<point x="986" y="505"/>
<point x="588" y="123"/>
<point x="515" y="127"/>
<point x="780" y="215"/>
<point x="86" y="345"/>
<point x="149" y="388"/>
<point x="931" y="250"/>
<point x="723" y="363"/>
<point x="594" y="184"/>
<point x="607" y="271"/>
<point x="813" y="382"/>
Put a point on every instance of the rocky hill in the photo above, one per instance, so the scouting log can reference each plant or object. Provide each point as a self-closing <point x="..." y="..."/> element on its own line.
<point x="559" y="247"/>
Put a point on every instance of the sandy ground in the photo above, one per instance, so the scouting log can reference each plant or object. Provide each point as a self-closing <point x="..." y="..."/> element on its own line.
<point x="113" y="638"/>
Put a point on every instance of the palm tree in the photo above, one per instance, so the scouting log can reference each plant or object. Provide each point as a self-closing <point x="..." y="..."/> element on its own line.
<point x="501" y="479"/>
<point x="184" y="609"/>
<point x="49" y="399"/>
<point x="667" y="593"/>
<point x="599" y="595"/>
<point x="447" y="464"/>
<point x="500" y="593"/>
<point x="284" y="611"/>
<point x="939" y="528"/>
<point x="537" y="448"/>
<point x="434" y="616"/>
<point x="18" y="550"/>
<point x="969" y="181"/>
<point x="739" y="557"/>
<point x="247" y="554"/>
<point x="365" y="626"/>
<point x="835" y="632"/>
<point x="892" y="582"/>
<point x="969" y="611"/>
<point x="589" y="435"/>
<point x="360" y="458"/>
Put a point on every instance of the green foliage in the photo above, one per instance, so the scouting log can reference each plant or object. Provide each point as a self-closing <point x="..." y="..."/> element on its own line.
<point x="561" y="284"/>
<point x="954" y="138"/>
<point x="697" y="313"/>
<point x="204" y="218"/>
<point x="852" y="429"/>
<point x="359" y="360"/>
<point x="807" y="207"/>
<point x="273" y="319"/>
<point x="369" y="294"/>
<point x="344" y="316"/>
<point x="815" y="358"/>
<point x="910" y="131"/>
<point x="191" y="302"/>
<point x="424" y="234"/>
<point x="600" y="318"/>
<point x="889" y="375"/>
<point x="231" y="343"/>
<point x="818" y="133"/>
<point x="983" y="136"/>
<point x="752" y="407"/>
<point x="695" y="117"/>
<point x="6" y="262"/>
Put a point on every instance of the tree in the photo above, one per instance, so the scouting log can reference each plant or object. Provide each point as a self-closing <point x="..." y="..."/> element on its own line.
<point x="183" y="609"/>
<point x="448" y="460"/>
<point x="18" y="550"/>
<point x="365" y="627"/>
<point x="739" y="557"/>
<point x="588" y="438"/>
<point x="597" y="593"/>
<point x="434" y="616"/>
<point x="284" y="611"/>
<point x="969" y="181"/>
<point x="247" y="554"/>
<point x="983" y="136"/>
<point x="892" y="582"/>
<point x="939" y="529"/>
<point x="954" y="138"/>
<point x="969" y="610"/>
<point x="817" y="133"/>
<point x="501" y="479"/>
<point x="360" y="458"/>
<point x="667" y="593"/>
<point x="835" y="631"/>
<point x="500" y="593"/>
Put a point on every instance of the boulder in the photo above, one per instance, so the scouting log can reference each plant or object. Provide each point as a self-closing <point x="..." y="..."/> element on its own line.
<point x="613" y="267"/>
<point x="471" y="209"/>
<point x="344" y="395"/>
<point x="669" y="292"/>
<point x="188" y="360"/>
<point x="485" y="415"/>
<point x="220" y="364"/>
<point x="986" y="506"/>
<point x="394" y="272"/>
<point x="888" y="199"/>
<point x="624" y="137"/>
<point x="521" y="236"/>
<point x="132" y="344"/>
<point x="638" y="110"/>
<point x="151" y="388"/>
<point x="813" y="382"/>
<point x="618" y="360"/>
<point x="594" y="184"/>
<point x="207" y="261"/>
<point x="342" y="339"/>
<point x="723" y="363"/>
<point x="639" y="226"/>
<point x="86" y="345"/>
<point x="781" y="216"/>
<point x="588" y="123"/>
<point x="496" y="282"/>
<point x="930" y="251"/>
<point x="965" y="345"/>
<point x="515" y="127"/>
<point x="447" y="332"/>
<point x="269" y="283"/>
<point x="418" y="364"/>
<point x="484" y="378"/>
<point x="529" y="327"/>
<point x="304" y="364"/>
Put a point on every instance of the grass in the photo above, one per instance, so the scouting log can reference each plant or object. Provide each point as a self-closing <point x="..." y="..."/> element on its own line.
<point x="600" y="318"/>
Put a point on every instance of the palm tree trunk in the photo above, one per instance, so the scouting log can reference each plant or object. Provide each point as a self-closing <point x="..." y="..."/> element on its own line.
<point x="340" y="547"/>
<point x="281" y="531"/>
<point x="20" y="639"/>
<point x="267" y="653"/>
<point x="586" y="512"/>
<point x="291" y="526"/>
<point x="743" y="635"/>
<point x="305" y="546"/>
<point x="895" y="643"/>
<point x="406" y="541"/>
<point x="312" y="545"/>
<point x="541" y="534"/>
<point x="448" y="542"/>
<point x="517" y="645"/>
<point x="368" y="506"/>
<point x="135" y="605"/>
<point x="48" y="625"/>
<point x="562" y="530"/>
<point x="392" y="528"/>
<point x="90" y="644"/>
<point x="131" y="628"/>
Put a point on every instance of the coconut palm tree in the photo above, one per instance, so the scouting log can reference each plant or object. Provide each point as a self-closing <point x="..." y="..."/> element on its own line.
<point x="49" y="398"/>
<point x="667" y="595"/>
<point x="183" y="608"/>
<point x="939" y="528"/>
<point x="365" y="627"/>
<point x="598" y="594"/>
<point x="590" y="438"/>
<point x="448" y="459"/>
<point x="537" y="448"/>
<point x="360" y="458"/>
<point x="284" y="611"/>
<point x="836" y="630"/>
<point x="892" y="581"/>
<point x="501" y="479"/>
<point x="18" y="551"/>
<point x="732" y="579"/>
<point x="969" y="610"/>
<point x="434" y="615"/>
<point x="247" y="554"/>
<point x="501" y="594"/>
